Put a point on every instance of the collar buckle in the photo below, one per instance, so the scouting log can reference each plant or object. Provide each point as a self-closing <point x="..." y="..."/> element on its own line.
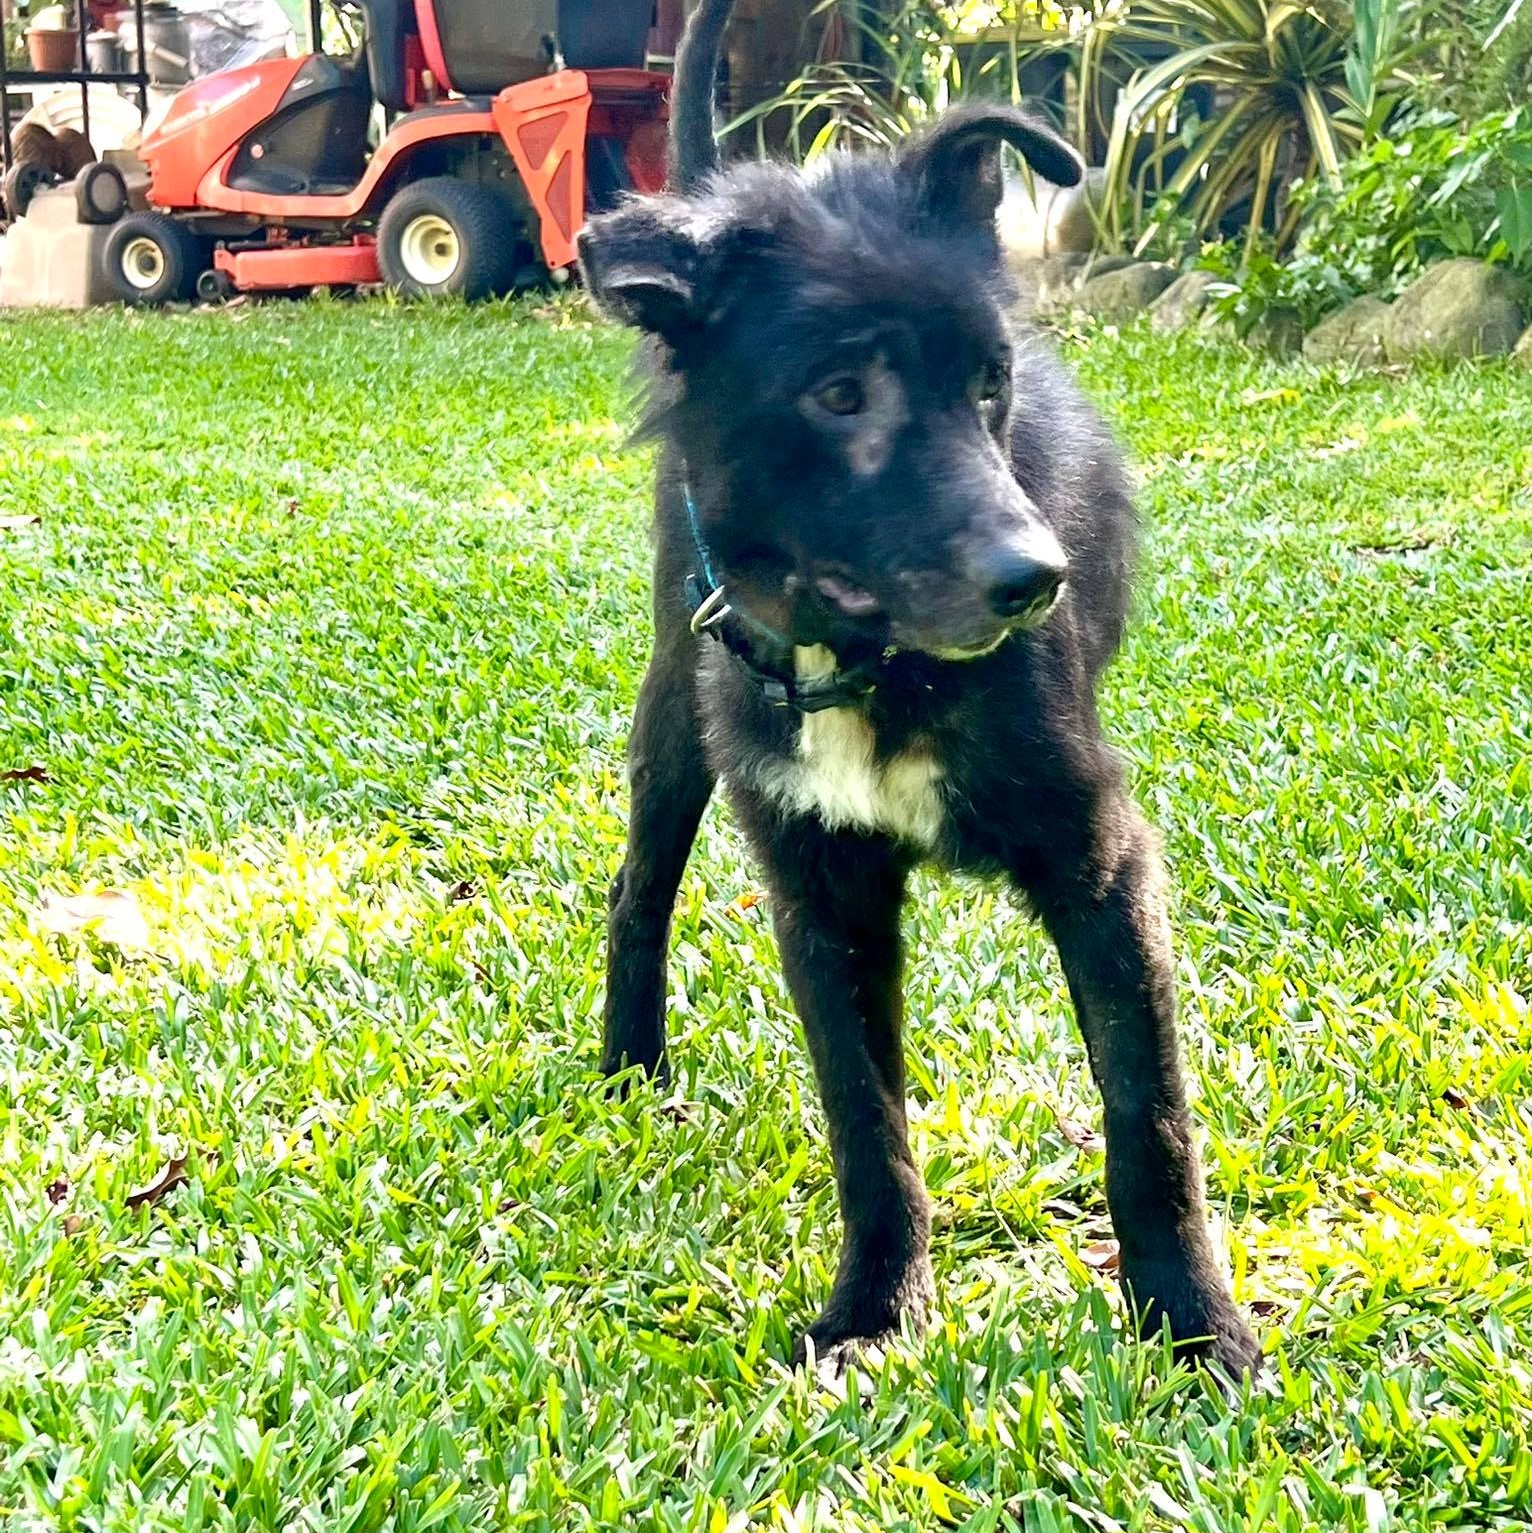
<point x="710" y="607"/>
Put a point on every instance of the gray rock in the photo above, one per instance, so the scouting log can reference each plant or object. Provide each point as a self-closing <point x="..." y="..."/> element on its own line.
<point x="1183" y="301"/>
<point x="1461" y="308"/>
<point x="1278" y="331"/>
<point x="1045" y="285"/>
<point x="1353" y="334"/>
<point x="1052" y="285"/>
<point x="1523" y="352"/>
<point x="1128" y="290"/>
<point x="1100" y="265"/>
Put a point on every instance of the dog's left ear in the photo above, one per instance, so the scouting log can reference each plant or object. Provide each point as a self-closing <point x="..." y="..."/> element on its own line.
<point x="956" y="165"/>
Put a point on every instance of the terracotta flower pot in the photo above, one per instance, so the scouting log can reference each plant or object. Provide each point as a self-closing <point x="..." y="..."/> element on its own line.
<point x="54" y="52"/>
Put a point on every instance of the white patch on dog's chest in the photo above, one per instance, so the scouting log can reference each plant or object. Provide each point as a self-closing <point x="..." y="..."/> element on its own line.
<point x="837" y="775"/>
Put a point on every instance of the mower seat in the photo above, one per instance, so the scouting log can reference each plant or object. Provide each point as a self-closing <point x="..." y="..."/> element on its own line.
<point x="605" y="34"/>
<point x="489" y="44"/>
<point x="386" y="26"/>
<point x="315" y="143"/>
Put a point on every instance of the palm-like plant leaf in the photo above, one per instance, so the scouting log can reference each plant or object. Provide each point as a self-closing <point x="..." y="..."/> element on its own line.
<point x="1279" y="70"/>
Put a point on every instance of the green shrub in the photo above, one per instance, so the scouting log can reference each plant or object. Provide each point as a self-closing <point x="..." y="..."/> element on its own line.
<point x="1438" y="188"/>
<point x="1478" y="61"/>
<point x="1499" y="79"/>
<point x="1255" y="283"/>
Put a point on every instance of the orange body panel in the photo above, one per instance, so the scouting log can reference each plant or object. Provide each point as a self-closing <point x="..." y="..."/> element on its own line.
<point x="543" y="124"/>
<point x="208" y="120"/>
<point x="215" y="191"/>
<point x="300" y="266"/>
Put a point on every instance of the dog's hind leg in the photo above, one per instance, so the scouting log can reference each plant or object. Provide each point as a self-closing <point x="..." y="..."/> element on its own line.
<point x="1106" y="914"/>
<point x="671" y="783"/>
<point x="836" y="900"/>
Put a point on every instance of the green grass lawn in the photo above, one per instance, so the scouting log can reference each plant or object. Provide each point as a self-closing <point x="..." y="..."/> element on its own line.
<point x="326" y="641"/>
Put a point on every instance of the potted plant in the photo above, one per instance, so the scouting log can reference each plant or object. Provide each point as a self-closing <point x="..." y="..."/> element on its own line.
<point x="53" y="40"/>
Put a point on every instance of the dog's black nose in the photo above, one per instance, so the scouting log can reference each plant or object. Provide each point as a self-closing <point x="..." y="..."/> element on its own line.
<point x="1022" y="588"/>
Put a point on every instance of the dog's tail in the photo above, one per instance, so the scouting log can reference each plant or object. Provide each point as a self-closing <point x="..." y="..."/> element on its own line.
<point x="693" y="148"/>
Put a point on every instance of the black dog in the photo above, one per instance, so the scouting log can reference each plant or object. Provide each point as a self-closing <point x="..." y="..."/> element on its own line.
<point x="893" y="547"/>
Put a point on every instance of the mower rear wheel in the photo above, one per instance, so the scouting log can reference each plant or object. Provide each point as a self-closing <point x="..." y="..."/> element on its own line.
<point x="151" y="259"/>
<point x="444" y="237"/>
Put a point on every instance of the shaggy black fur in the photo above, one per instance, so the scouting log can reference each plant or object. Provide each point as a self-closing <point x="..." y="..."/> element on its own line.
<point x="889" y="480"/>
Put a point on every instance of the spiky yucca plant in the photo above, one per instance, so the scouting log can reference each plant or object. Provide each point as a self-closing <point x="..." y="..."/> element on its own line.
<point x="1283" y="74"/>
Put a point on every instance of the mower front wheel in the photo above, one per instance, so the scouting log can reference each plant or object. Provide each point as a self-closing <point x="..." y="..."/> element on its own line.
<point x="151" y="259"/>
<point x="442" y="237"/>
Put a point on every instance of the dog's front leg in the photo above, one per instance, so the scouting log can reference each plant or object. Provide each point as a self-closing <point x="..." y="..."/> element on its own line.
<point x="836" y="899"/>
<point x="671" y="783"/>
<point x="1108" y="920"/>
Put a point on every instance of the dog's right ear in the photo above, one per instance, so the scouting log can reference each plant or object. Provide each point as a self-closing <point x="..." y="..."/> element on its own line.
<point x="652" y="264"/>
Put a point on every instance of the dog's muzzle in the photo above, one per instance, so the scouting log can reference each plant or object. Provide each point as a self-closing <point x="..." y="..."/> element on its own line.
<point x="1022" y="588"/>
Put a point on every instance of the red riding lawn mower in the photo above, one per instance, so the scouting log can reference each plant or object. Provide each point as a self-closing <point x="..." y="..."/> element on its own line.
<point x="458" y="150"/>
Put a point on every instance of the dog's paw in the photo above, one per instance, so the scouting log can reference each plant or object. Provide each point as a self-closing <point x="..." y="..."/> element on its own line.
<point x="1234" y="1348"/>
<point x="1230" y="1347"/>
<point x="1206" y="1326"/>
<point x="831" y="1362"/>
<point x="859" y="1326"/>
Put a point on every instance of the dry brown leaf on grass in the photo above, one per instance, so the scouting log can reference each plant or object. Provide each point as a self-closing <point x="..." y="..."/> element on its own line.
<point x="26" y="774"/>
<point x="58" y="1190"/>
<point x="1455" y="1098"/>
<point x="1079" y="1136"/>
<point x="460" y="891"/>
<point x="1102" y="1256"/>
<point x="73" y="1224"/>
<point x="172" y="1175"/>
<point x="1344" y="445"/>
<point x="747" y="901"/>
<point x="1409" y="543"/>
<point x="111" y="914"/>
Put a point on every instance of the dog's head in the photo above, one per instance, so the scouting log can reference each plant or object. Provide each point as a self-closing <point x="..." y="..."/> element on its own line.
<point x="837" y="377"/>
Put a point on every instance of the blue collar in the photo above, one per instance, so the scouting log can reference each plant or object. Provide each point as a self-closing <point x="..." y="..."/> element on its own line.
<point x="715" y="616"/>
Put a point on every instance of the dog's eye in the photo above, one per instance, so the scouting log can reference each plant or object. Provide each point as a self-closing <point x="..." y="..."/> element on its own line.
<point x="989" y="382"/>
<point x="842" y="396"/>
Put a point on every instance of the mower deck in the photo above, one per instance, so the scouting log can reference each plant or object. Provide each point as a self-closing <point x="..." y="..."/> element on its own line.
<point x="282" y="269"/>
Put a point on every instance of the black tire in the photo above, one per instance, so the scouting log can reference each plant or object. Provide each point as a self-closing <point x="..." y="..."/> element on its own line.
<point x="448" y="238"/>
<point x="215" y="286"/>
<point x="151" y="259"/>
<point x="22" y="182"/>
<point x="100" y="194"/>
